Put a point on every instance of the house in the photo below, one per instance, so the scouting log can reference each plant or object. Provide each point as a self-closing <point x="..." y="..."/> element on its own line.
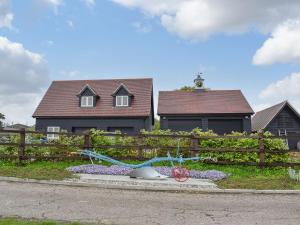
<point x="110" y="105"/>
<point x="222" y="111"/>
<point x="17" y="126"/>
<point x="280" y="119"/>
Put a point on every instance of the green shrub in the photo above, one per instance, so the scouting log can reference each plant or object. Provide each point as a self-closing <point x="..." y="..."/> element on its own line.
<point x="242" y="143"/>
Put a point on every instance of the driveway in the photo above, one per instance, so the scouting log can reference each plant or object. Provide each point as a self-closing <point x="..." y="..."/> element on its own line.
<point x="107" y="206"/>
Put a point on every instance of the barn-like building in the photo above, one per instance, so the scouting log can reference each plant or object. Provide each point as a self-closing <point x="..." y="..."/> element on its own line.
<point x="222" y="111"/>
<point x="280" y="119"/>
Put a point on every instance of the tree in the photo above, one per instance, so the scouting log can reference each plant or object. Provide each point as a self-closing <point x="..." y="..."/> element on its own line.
<point x="156" y="124"/>
<point x="187" y="88"/>
<point x="2" y="117"/>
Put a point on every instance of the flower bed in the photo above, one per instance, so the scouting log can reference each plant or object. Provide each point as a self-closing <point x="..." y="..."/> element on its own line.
<point x="164" y="170"/>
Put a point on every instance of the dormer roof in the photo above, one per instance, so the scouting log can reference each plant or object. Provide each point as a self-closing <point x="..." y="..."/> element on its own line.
<point x="87" y="87"/>
<point x="120" y="87"/>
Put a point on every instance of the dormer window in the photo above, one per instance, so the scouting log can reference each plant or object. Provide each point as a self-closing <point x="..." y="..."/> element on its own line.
<point x="121" y="100"/>
<point x="87" y="101"/>
<point x="87" y="97"/>
<point x="122" y="97"/>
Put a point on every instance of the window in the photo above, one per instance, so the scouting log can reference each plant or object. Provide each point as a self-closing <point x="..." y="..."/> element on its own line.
<point x="53" y="136"/>
<point x="87" y="101"/>
<point x="122" y="101"/>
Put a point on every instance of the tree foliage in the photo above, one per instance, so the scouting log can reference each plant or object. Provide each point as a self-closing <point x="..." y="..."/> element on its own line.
<point x="2" y="117"/>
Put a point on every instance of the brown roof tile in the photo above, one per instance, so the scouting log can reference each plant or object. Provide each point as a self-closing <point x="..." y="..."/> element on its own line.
<point x="205" y="102"/>
<point x="61" y="99"/>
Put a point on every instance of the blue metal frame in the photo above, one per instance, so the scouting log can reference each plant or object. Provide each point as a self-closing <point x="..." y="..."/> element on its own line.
<point x="98" y="156"/>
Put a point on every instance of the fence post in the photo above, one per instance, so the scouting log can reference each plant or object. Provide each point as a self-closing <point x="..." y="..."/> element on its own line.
<point x="194" y="148"/>
<point x="140" y="148"/>
<point x="87" y="141"/>
<point x="261" y="149"/>
<point x="22" y="145"/>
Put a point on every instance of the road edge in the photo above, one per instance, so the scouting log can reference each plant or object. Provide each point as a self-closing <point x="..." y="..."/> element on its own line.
<point x="77" y="183"/>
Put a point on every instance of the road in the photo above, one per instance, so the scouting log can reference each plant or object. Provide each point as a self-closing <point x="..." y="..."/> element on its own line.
<point x="95" y="205"/>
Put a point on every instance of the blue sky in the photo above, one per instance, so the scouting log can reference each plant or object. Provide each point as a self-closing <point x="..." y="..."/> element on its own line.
<point x="86" y="39"/>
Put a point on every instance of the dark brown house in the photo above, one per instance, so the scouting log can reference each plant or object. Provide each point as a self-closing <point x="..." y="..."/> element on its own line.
<point x="79" y="105"/>
<point x="222" y="111"/>
<point x="280" y="119"/>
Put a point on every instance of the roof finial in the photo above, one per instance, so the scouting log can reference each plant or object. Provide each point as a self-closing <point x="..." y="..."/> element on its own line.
<point x="199" y="81"/>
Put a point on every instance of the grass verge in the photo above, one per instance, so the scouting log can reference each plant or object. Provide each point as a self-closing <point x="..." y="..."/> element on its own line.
<point x="14" y="221"/>
<point x="241" y="177"/>
<point x="38" y="170"/>
<point x="251" y="177"/>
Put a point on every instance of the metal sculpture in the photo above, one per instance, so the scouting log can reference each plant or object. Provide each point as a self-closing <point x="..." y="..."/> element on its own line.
<point x="142" y="170"/>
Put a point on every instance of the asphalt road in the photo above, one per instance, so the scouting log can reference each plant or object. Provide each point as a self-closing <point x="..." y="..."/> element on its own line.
<point x="107" y="206"/>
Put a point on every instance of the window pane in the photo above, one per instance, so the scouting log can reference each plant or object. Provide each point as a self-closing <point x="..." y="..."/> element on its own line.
<point x="87" y="101"/>
<point x="83" y="101"/>
<point x="53" y="129"/>
<point x="125" y="100"/>
<point x="119" y="100"/>
<point x="90" y="101"/>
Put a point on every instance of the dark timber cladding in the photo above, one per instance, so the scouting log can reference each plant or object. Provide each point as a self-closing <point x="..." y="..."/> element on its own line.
<point x="222" y="111"/>
<point x="280" y="119"/>
<point x="79" y="105"/>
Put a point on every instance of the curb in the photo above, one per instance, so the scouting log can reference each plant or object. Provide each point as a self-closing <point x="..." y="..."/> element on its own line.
<point x="77" y="183"/>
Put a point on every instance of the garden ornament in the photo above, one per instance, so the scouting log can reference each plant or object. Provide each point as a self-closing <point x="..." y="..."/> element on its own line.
<point x="142" y="170"/>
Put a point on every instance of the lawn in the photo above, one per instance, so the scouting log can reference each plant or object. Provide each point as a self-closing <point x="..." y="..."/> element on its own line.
<point x="14" y="221"/>
<point x="241" y="177"/>
<point x="251" y="177"/>
<point x="38" y="170"/>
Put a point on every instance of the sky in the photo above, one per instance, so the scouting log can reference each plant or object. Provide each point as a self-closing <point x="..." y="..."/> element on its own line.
<point x="252" y="45"/>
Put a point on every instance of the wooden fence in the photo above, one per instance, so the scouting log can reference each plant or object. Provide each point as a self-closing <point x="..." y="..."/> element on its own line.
<point x="194" y="148"/>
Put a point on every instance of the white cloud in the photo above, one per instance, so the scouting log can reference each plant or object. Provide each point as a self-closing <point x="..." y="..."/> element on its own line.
<point x="199" y="19"/>
<point x="89" y="3"/>
<point x="141" y="28"/>
<point x="282" y="47"/>
<point x="54" y="4"/>
<point x="6" y="16"/>
<point x="23" y="75"/>
<point x="70" y="23"/>
<point x="285" y="89"/>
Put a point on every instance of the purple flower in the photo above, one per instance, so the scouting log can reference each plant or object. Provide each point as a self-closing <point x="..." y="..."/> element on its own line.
<point x="164" y="170"/>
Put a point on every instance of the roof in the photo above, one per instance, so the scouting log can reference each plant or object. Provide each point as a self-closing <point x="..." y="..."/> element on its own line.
<point x="122" y="86"/>
<point x="61" y="99"/>
<point x="204" y="102"/>
<point x="262" y="118"/>
<point x="87" y="87"/>
<point x="17" y="126"/>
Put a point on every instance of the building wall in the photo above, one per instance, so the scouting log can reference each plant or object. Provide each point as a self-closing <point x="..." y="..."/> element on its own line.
<point x="286" y="119"/>
<point x="203" y="121"/>
<point x="289" y="121"/>
<point x="70" y="124"/>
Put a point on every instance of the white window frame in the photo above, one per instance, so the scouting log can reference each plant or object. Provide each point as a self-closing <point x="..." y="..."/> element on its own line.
<point x="122" y="98"/>
<point x="87" y="101"/>
<point x="53" y="136"/>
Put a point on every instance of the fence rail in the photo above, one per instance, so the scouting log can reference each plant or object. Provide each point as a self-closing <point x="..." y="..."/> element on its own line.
<point x="193" y="148"/>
